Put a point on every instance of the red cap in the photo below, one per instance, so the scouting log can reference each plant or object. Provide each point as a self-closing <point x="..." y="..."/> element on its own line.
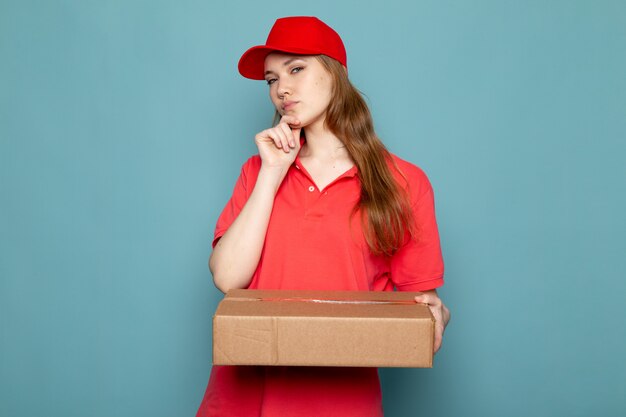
<point x="301" y="35"/>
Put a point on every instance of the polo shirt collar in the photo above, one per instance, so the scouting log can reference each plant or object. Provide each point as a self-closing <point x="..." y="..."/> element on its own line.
<point x="298" y="165"/>
<point x="348" y="174"/>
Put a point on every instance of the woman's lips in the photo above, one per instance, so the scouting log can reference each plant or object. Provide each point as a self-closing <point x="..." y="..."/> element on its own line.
<point x="288" y="105"/>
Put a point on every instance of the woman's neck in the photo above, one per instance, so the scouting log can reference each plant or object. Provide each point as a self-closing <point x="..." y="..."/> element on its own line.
<point x="321" y="143"/>
<point x="324" y="157"/>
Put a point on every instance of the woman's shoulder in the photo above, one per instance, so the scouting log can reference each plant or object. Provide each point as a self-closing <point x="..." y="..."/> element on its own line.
<point x="412" y="179"/>
<point x="253" y="162"/>
<point x="410" y="176"/>
<point x="252" y="166"/>
<point x="249" y="172"/>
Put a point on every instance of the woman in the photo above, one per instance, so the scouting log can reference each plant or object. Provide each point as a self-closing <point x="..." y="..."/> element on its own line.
<point x="322" y="206"/>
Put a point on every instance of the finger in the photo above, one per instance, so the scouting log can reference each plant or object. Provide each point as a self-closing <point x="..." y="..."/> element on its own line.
<point x="267" y="135"/>
<point x="285" y="136"/>
<point x="291" y="120"/>
<point x="280" y="138"/>
<point x="438" y="337"/>
<point x="436" y="308"/>
<point x="428" y="299"/>
<point x="439" y="327"/>
<point x="288" y="134"/>
<point x="293" y="123"/>
<point x="446" y="316"/>
<point x="296" y="137"/>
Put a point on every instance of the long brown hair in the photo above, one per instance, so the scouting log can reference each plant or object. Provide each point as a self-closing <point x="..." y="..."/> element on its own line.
<point x="386" y="212"/>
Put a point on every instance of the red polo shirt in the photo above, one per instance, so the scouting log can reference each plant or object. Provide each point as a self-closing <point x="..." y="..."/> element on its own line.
<point x="314" y="242"/>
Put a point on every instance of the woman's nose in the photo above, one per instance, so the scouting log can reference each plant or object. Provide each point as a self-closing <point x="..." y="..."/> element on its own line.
<point x="283" y="88"/>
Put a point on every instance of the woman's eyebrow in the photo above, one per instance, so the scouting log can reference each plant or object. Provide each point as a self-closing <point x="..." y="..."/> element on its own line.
<point x="287" y="62"/>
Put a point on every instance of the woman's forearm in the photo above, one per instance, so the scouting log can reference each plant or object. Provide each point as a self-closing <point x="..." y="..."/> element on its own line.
<point x="237" y="253"/>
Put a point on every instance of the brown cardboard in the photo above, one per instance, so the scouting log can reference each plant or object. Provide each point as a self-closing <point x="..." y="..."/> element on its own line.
<point x="323" y="328"/>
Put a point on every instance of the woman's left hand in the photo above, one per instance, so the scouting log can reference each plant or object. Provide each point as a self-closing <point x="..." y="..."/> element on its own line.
<point x="440" y="312"/>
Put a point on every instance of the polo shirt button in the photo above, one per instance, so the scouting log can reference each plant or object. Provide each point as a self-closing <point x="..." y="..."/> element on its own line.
<point x="311" y="188"/>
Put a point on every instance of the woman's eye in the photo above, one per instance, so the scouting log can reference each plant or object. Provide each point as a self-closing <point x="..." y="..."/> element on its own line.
<point x="296" y="69"/>
<point x="270" y="81"/>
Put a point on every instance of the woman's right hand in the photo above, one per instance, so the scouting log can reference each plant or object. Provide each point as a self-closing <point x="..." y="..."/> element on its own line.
<point x="236" y="255"/>
<point x="279" y="145"/>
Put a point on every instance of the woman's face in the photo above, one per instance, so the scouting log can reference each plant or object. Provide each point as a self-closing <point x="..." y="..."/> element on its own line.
<point x="299" y="86"/>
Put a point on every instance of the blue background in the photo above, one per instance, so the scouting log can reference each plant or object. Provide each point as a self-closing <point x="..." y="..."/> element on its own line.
<point x="123" y="125"/>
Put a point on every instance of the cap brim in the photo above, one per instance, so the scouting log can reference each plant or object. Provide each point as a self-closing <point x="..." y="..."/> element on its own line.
<point x="252" y="62"/>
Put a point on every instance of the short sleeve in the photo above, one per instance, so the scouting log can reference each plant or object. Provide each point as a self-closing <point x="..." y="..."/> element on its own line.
<point x="243" y="188"/>
<point x="418" y="265"/>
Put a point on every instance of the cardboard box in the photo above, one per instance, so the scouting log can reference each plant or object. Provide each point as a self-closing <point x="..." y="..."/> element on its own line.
<point x="323" y="328"/>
